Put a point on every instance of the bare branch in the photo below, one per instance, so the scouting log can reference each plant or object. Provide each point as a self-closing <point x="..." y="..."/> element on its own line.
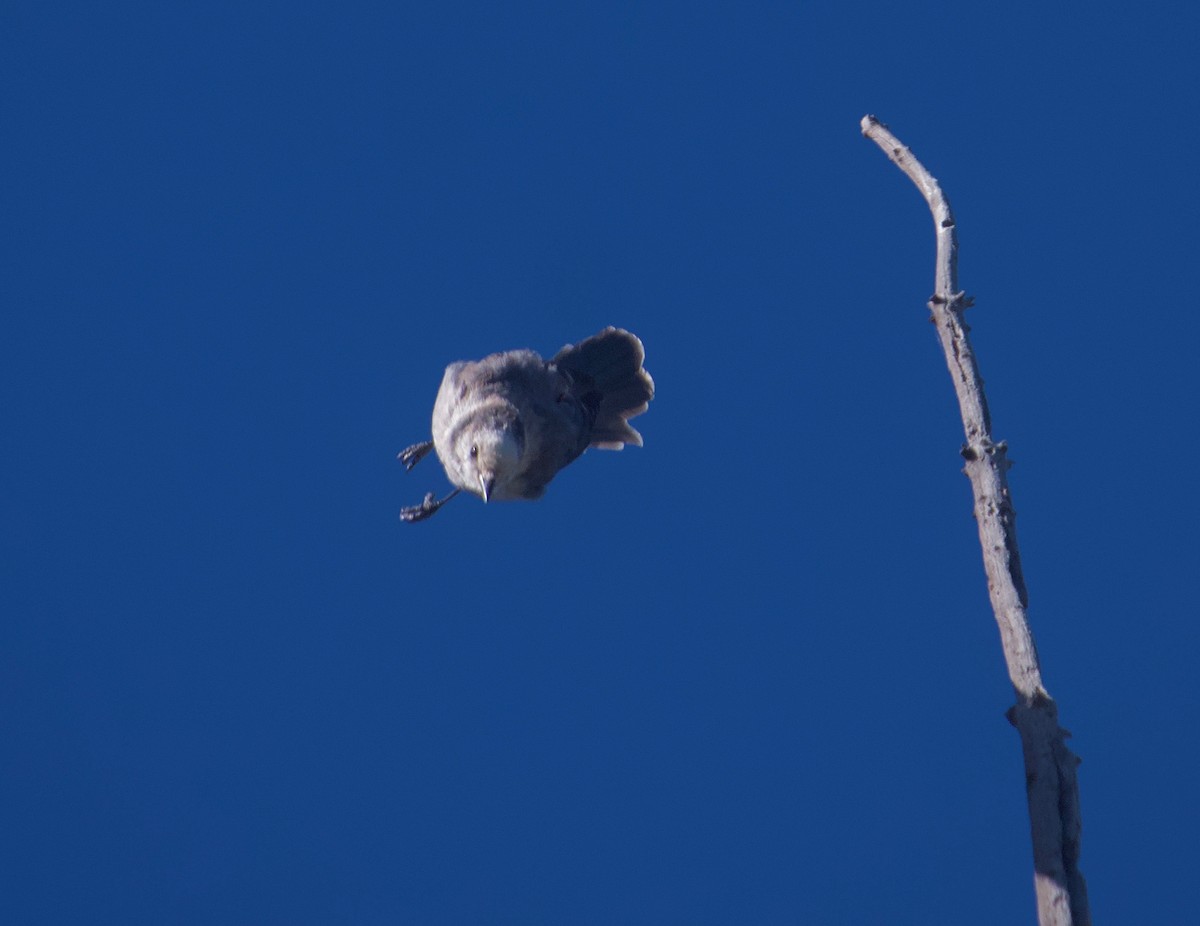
<point x="1051" y="785"/>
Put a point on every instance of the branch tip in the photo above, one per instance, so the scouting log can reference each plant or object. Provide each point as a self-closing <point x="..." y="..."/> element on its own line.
<point x="869" y="121"/>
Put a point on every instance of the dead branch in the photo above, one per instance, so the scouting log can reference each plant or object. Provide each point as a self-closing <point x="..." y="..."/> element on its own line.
<point x="1051" y="785"/>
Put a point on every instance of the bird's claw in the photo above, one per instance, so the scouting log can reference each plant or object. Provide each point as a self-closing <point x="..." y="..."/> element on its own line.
<point x="427" y="509"/>
<point x="411" y="456"/>
<point x="420" y="512"/>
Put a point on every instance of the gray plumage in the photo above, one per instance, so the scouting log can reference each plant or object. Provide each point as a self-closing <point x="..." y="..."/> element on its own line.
<point x="505" y="425"/>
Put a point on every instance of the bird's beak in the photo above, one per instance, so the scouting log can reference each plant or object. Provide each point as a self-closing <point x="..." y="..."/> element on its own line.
<point x="486" y="483"/>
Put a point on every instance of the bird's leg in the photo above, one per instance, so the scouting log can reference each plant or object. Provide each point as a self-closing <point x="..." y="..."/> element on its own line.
<point x="411" y="456"/>
<point x="427" y="508"/>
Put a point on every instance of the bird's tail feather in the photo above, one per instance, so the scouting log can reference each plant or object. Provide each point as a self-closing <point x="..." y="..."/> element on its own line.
<point x="612" y="361"/>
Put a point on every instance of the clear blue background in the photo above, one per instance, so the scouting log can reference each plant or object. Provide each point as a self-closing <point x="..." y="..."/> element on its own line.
<point x="747" y="674"/>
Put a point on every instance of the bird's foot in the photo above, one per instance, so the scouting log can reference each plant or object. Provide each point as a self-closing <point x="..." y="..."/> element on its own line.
<point x="411" y="456"/>
<point x="427" y="509"/>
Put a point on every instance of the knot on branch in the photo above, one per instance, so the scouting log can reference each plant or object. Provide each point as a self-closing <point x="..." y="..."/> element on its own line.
<point x="1032" y="707"/>
<point x="959" y="300"/>
<point x="978" y="450"/>
<point x="984" y="447"/>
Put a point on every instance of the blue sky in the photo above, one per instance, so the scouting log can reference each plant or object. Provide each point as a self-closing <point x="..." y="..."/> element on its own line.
<point x="746" y="674"/>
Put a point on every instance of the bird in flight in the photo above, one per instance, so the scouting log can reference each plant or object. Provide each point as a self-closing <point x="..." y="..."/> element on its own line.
<point x="505" y="425"/>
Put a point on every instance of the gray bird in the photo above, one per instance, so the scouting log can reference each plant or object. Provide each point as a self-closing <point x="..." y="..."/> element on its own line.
<point x="504" y="426"/>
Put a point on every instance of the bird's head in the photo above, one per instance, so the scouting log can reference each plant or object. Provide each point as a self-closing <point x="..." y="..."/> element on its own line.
<point x="491" y="457"/>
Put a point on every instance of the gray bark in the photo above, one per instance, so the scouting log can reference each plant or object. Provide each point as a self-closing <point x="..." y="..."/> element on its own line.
<point x="1050" y="781"/>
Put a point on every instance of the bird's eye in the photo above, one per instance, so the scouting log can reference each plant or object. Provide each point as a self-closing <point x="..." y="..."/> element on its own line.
<point x="474" y="451"/>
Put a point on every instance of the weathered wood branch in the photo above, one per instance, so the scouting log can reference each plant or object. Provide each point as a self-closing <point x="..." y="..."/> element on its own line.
<point x="1050" y="781"/>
